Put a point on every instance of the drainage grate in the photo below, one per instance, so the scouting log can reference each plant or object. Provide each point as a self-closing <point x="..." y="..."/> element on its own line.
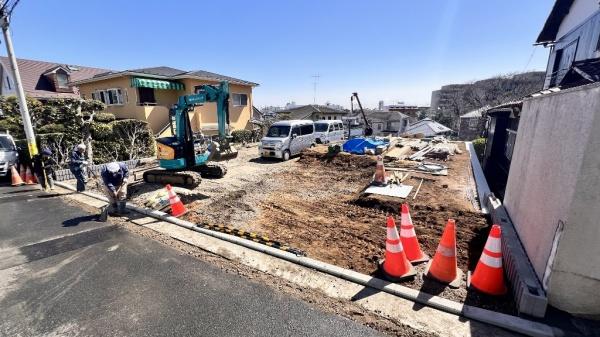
<point x="529" y="295"/>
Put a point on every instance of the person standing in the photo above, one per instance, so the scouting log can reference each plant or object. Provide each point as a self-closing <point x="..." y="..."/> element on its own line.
<point x="78" y="166"/>
<point x="44" y="167"/>
<point x="114" y="176"/>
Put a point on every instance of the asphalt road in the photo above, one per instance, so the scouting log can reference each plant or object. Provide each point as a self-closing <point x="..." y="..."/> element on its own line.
<point x="64" y="274"/>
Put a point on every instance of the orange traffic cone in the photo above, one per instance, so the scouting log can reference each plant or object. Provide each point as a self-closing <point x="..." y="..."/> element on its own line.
<point x="29" y="177"/>
<point x="443" y="267"/>
<point x="380" y="178"/>
<point x="177" y="208"/>
<point x="396" y="266"/>
<point x="16" y="179"/>
<point x="22" y="173"/>
<point x="489" y="275"/>
<point x="409" y="238"/>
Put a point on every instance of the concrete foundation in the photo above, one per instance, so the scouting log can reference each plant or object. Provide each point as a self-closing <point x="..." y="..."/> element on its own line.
<point x="553" y="194"/>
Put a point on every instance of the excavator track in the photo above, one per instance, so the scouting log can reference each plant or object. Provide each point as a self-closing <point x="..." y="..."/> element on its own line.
<point x="212" y="170"/>
<point x="188" y="179"/>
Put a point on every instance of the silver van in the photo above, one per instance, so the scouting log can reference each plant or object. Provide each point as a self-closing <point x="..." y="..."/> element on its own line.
<point x="287" y="138"/>
<point x="8" y="154"/>
<point x="327" y="131"/>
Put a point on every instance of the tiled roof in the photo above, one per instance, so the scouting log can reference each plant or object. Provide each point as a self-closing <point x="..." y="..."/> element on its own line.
<point x="39" y="86"/>
<point x="475" y="113"/>
<point x="160" y="71"/>
<point x="305" y="111"/>
<point x="209" y="75"/>
<point x="428" y="123"/>
<point x="386" y="115"/>
<point x="174" y="74"/>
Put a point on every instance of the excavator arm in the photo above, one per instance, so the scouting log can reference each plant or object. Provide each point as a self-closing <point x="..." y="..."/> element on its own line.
<point x="368" y="128"/>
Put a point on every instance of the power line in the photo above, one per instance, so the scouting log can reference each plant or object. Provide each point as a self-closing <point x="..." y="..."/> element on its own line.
<point x="530" y="58"/>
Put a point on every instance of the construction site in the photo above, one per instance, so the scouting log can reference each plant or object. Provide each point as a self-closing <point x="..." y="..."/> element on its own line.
<point x="316" y="204"/>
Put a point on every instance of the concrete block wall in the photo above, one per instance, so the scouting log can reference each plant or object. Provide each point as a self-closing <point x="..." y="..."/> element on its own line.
<point x="554" y="188"/>
<point x="62" y="175"/>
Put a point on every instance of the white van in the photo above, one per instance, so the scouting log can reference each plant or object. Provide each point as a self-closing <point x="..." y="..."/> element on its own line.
<point x="327" y="131"/>
<point x="287" y="138"/>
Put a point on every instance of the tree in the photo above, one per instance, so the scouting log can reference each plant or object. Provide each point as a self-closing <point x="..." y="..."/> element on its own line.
<point x="136" y="137"/>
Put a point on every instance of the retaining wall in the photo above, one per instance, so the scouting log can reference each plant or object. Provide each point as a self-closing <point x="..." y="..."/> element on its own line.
<point x="553" y="194"/>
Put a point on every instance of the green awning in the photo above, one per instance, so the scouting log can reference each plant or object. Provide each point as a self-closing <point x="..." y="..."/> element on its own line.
<point x="139" y="82"/>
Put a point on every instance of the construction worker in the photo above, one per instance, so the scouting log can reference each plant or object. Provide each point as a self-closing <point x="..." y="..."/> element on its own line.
<point x="78" y="166"/>
<point x="44" y="167"/>
<point x="114" y="175"/>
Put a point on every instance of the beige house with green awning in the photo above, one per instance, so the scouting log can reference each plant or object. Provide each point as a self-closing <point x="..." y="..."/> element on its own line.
<point x="147" y="94"/>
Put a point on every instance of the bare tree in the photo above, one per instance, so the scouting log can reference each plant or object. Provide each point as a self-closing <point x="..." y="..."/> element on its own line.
<point x="133" y="133"/>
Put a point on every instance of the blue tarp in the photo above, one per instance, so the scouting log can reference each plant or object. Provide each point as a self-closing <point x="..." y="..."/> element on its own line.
<point x="358" y="145"/>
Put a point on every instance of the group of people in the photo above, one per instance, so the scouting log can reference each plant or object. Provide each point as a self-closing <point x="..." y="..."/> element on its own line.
<point x="114" y="175"/>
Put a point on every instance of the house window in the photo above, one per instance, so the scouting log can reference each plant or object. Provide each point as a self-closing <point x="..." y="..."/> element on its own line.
<point x="146" y="96"/>
<point x="62" y="80"/>
<point x="511" y="137"/>
<point x="379" y="125"/>
<point x="239" y="99"/>
<point x="109" y="96"/>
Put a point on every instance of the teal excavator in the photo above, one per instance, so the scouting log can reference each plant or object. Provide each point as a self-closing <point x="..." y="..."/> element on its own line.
<point x="186" y="157"/>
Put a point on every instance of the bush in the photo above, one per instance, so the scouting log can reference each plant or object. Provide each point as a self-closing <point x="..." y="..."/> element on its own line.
<point x="479" y="145"/>
<point x="104" y="117"/>
<point x="101" y="131"/>
<point x="51" y="128"/>
<point x="241" y="136"/>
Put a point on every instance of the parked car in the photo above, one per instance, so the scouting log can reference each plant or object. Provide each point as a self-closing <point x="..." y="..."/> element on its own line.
<point x="327" y="131"/>
<point x="8" y="154"/>
<point x="287" y="138"/>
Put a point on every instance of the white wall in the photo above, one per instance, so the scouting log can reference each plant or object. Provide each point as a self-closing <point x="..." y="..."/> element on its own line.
<point x="580" y="10"/>
<point x="555" y="177"/>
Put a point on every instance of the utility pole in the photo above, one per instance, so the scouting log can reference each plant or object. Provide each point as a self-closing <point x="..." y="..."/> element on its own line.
<point x="316" y="79"/>
<point x="4" y="22"/>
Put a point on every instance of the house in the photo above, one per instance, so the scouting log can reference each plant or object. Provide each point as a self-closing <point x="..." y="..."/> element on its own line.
<point x="428" y="128"/>
<point x="549" y="146"/>
<point x="572" y="31"/>
<point x="502" y="126"/>
<point x="147" y="94"/>
<point x="44" y="80"/>
<point x="313" y="112"/>
<point x="386" y="123"/>
<point x="472" y="124"/>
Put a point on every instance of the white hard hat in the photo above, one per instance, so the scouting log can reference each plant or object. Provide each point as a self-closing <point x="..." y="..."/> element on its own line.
<point x="113" y="167"/>
<point x="81" y="146"/>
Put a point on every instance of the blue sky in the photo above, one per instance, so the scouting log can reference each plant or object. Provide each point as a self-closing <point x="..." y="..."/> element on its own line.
<point x="390" y="50"/>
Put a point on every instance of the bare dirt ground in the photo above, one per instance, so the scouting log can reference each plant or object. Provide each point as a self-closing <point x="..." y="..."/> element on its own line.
<point x="314" y="203"/>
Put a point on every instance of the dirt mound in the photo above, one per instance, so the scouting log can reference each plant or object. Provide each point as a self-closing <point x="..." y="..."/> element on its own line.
<point x="340" y="160"/>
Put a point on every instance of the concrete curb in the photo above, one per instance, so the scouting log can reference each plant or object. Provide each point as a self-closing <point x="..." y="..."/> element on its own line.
<point x="512" y="323"/>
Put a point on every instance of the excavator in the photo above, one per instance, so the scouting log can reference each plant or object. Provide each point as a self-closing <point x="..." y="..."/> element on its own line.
<point x="186" y="157"/>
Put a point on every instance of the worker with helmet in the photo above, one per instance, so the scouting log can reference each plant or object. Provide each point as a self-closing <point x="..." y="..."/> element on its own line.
<point x="114" y="175"/>
<point x="78" y="166"/>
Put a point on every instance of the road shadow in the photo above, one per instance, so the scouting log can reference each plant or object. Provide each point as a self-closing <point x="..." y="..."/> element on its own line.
<point x="76" y="221"/>
<point x="429" y="289"/>
<point x="23" y="191"/>
<point x="261" y="160"/>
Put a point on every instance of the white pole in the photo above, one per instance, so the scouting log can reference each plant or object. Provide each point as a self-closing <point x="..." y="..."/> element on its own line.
<point x="4" y="21"/>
